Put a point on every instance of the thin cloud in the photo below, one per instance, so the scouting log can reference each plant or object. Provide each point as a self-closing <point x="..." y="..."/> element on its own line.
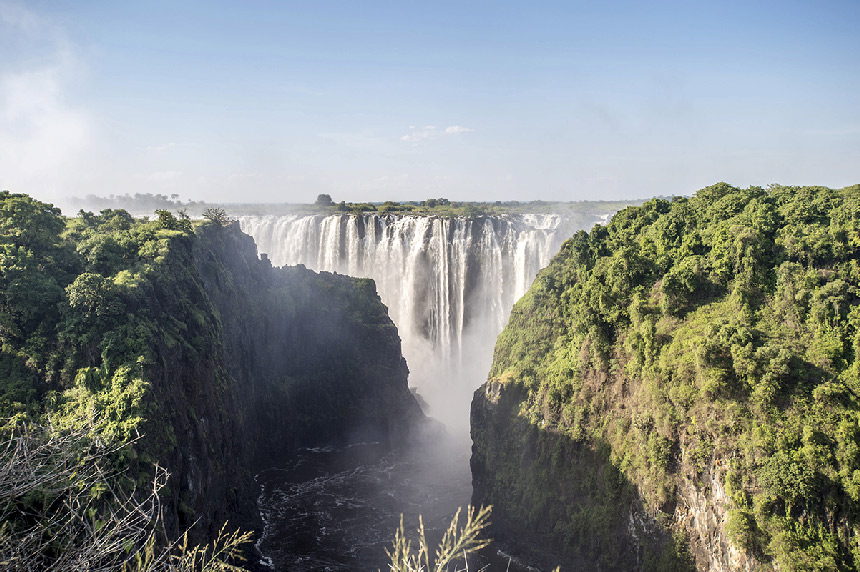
<point x="457" y="130"/>
<point x="42" y="137"/>
<point x="431" y="132"/>
<point x="420" y="134"/>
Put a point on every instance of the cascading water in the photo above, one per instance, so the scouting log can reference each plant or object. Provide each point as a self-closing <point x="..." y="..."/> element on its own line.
<point x="449" y="283"/>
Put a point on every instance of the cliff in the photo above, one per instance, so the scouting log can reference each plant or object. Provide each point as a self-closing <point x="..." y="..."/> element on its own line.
<point x="678" y="390"/>
<point x="299" y="359"/>
<point x="178" y="335"/>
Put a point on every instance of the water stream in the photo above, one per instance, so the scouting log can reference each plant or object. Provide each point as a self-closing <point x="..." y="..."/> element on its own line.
<point x="337" y="509"/>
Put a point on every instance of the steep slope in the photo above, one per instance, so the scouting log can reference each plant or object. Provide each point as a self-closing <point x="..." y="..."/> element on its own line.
<point x="179" y="334"/>
<point x="679" y="389"/>
<point x="315" y="357"/>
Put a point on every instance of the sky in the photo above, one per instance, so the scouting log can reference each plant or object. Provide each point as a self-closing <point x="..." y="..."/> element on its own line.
<point x="278" y="101"/>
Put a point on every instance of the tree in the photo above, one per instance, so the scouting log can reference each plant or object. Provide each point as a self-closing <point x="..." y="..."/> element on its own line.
<point x="216" y="215"/>
<point x="28" y="223"/>
<point x="33" y="268"/>
<point x="324" y="200"/>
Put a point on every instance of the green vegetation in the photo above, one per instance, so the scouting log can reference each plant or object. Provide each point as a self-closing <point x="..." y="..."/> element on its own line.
<point x="445" y="208"/>
<point x="716" y="336"/>
<point x="324" y="204"/>
<point x="90" y="308"/>
<point x="80" y="331"/>
<point x="137" y="203"/>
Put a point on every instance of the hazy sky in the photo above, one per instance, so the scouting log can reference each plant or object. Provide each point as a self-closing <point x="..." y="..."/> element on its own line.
<point x="280" y="101"/>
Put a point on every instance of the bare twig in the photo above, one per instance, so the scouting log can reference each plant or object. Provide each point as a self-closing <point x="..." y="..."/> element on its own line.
<point x="62" y="509"/>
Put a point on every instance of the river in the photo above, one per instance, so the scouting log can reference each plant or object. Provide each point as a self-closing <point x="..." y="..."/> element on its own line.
<point x="337" y="509"/>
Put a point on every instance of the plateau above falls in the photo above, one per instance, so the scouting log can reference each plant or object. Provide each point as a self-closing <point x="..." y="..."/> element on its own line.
<point x="449" y="283"/>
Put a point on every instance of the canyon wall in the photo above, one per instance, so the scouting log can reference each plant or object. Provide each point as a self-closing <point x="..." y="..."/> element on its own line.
<point x="678" y="390"/>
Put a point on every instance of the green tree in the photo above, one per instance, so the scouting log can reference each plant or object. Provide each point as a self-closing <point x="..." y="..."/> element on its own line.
<point x="726" y="330"/>
<point x="35" y="265"/>
<point x="324" y="200"/>
<point x="216" y="215"/>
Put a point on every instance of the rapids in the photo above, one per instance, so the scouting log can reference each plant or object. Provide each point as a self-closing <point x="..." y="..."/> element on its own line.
<point x="336" y="509"/>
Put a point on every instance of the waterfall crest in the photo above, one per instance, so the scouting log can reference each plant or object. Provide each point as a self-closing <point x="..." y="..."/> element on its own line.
<point x="449" y="283"/>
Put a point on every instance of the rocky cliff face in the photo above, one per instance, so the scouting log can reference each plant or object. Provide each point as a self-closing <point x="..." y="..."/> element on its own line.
<point x="312" y="356"/>
<point x="562" y="502"/>
<point x="703" y="510"/>
<point x="557" y="500"/>
<point x="678" y="390"/>
<point x="297" y="359"/>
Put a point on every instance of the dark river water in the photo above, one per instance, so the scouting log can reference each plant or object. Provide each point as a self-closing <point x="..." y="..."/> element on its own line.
<point x="337" y="509"/>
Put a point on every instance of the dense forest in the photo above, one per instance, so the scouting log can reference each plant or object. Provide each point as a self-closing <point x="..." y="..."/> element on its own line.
<point x="694" y="359"/>
<point x="679" y="389"/>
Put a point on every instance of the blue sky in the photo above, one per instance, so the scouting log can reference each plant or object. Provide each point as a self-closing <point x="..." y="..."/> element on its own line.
<point x="280" y="101"/>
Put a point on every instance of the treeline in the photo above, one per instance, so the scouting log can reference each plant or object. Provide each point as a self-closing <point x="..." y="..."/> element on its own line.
<point x="146" y="203"/>
<point x="137" y="203"/>
<point x="718" y="337"/>
<point x="447" y="208"/>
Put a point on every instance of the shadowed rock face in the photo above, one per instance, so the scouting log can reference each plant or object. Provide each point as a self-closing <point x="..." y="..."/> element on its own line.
<point x="318" y="354"/>
<point x="546" y="490"/>
<point x="296" y="359"/>
<point x="541" y="483"/>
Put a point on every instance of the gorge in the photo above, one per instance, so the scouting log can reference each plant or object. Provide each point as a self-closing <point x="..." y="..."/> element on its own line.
<point x="676" y="390"/>
<point x="175" y="343"/>
<point x="448" y="282"/>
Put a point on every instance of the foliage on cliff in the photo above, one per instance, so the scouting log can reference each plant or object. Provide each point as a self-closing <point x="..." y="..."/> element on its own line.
<point x="78" y="328"/>
<point x="715" y="336"/>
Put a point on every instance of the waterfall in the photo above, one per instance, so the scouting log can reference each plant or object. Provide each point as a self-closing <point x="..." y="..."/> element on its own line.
<point x="449" y="283"/>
